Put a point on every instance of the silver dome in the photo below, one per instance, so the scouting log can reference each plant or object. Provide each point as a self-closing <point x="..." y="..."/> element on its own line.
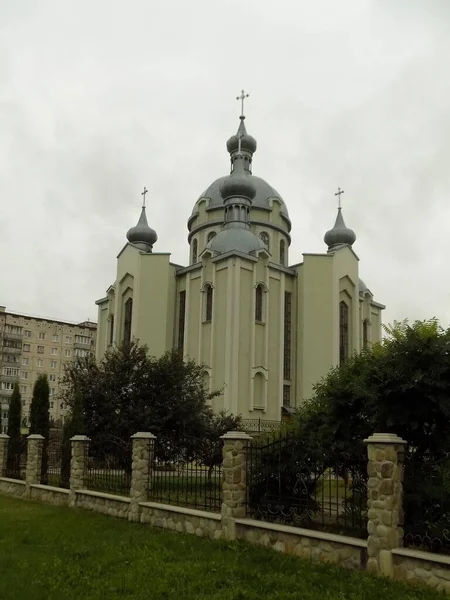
<point x="240" y="239"/>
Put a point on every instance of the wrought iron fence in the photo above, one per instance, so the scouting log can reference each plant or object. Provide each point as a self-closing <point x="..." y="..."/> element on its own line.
<point x="260" y="425"/>
<point x="108" y="460"/>
<point x="426" y="502"/>
<point x="56" y="460"/>
<point x="187" y="472"/>
<point x="290" y="483"/>
<point x="16" y="462"/>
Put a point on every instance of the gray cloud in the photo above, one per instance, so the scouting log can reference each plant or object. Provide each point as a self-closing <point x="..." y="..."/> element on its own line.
<point x="99" y="99"/>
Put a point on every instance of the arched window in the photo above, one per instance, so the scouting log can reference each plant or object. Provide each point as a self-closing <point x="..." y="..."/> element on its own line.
<point x="365" y="334"/>
<point x="208" y="298"/>
<point x="258" y="391"/>
<point x="211" y="234"/>
<point x="282" y="252"/>
<point x="265" y="238"/>
<point x="127" y="320"/>
<point x="259" y="303"/>
<point x="343" y="332"/>
<point x="194" y="251"/>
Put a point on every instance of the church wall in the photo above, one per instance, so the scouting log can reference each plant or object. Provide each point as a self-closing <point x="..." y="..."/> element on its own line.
<point x="319" y="320"/>
<point x="346" y="271"/>
<point x="275" y="345"/>
<point x="154" y="303"/>
<point x="245" y="342"/>
<point x="102" y="329"/>
<point x="220" y="323"/>
<point x="194" y="306"/>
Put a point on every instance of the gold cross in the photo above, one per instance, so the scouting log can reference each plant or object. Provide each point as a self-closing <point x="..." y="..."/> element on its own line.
<point x="338" y="193"/>
<point x="242" y="97"/>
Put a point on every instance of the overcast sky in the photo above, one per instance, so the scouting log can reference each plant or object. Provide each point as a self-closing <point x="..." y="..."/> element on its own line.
<point x="99" y="98"/>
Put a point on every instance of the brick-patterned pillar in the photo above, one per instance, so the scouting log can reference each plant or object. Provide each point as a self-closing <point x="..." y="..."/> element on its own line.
<point x="78" y="465"/>
<point x="142" y="461"/>
<point x="35" y="444"/>
<point x="4" y="439"/>
<point x="384" y="500"/>
<point x="234" y="487"/>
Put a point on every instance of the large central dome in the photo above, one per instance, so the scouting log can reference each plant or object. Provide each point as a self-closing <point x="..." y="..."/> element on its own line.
<point x="265" y="193"/>
<point x="244" y="144"/>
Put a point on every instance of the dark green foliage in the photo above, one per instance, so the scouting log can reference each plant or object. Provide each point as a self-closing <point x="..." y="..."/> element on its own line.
<point x="40" y="406"/>
<point x="72" y="426"/>
<point x="128" y="391"/>
<point x="401" y="386"/>
<point x="40" y="417"/>
<point x="14" y="421"/>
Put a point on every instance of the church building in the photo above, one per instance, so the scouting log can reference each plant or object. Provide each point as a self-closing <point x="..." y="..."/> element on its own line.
<point x="265" y="329"/>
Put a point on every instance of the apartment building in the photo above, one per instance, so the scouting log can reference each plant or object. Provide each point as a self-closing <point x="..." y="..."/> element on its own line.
<point x="32" y="345"/>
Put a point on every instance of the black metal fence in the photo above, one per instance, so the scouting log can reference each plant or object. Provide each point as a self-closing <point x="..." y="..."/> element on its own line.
<point x="426" y="502"/>
<point x="56" y="460"/>
<point x="260" y="425"/>
<point x="290" y="483"/>
<point x="108" y="460"/>
<point x="16" y="463"/>
<point x="187" y="472"/>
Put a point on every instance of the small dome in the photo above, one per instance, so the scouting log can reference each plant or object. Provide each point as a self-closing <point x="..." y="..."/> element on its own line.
<point x="240" y="239"/>
<point x="363" y="287"/>
<point x="340" y="234"/>
<point x="248" y="142"/>
<point x="142" y="234"/>
<point x="239" y="183"/>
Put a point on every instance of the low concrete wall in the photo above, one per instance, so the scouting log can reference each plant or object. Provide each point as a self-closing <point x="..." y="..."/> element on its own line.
<point x="416" y="566"/>
<point x="347" y="552"/>
<point x="177" y="518"/>
<point x="106" y="504"/>
<point x="49" y="495"/>
<point x="13" y="487"/>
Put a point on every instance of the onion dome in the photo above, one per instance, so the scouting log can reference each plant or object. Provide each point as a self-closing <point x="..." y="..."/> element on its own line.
<point x="248" y="143"/>
<point x="142" y="235"/>
<point x="340" y="235"/>
<point x="239" y="183"/>
<point x="238" y="239"/>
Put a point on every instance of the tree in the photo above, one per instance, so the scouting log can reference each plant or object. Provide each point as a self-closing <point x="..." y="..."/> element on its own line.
<point x="401" y="386"/>
<point x="40" y="406"/>
<point x="72" y="426"/>
<point x="128" y="391"/>
<point x="40" y="417"/>
<point x="14" y="421"/>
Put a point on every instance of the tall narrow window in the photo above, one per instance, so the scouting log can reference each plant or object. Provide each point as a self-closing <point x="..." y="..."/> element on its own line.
<point x="111" y="329"/>
<point x="287" y="334"/>
<point x="286" y="395"/>
<point x="181" y="320"/>
<point x="282" y="252"/>
<point x="211" y="234"/>
<point x="127" y="320"/>
<point x="259" y="303"/>
<point x="265" y="238"/>
<point x="343" y="332"/>
<point x="208" y="302"/>
<point x="365" y="334"/>
<point x="194" y="251"/>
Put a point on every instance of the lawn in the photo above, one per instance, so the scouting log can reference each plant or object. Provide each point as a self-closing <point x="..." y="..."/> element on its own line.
<point x="49" y="553"/>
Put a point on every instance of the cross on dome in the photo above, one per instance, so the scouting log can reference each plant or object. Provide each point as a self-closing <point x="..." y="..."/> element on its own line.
<point x="338" y="194"/>
<point x="242" y="97"/>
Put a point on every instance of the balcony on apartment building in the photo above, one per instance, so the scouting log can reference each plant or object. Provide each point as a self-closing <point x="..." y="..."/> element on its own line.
<point x="7" y="335"/>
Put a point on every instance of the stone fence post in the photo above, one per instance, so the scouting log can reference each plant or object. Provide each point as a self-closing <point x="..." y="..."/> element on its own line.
<point x="384" y="500"/>
<point x="35" y="444"/>
<point x="78" y="465"/>
<point x="4" y="439"/>
<point x="234" y="487"/>
<point x="142" y="460"/>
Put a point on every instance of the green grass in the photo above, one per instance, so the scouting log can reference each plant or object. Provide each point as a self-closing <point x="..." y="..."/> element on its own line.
<point x="49" y="553"/>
